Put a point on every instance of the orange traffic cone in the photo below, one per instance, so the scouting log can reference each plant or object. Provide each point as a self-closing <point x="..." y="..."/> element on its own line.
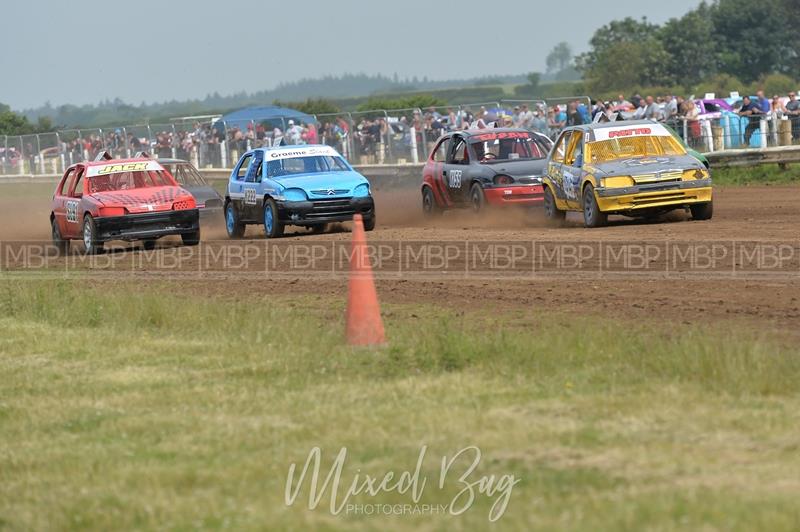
<point x="364" y="325"/>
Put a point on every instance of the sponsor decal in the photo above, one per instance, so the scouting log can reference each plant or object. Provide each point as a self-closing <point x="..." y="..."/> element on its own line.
<point x="71" y="211"/>
<point x="501" y="135"/>
<point x="301" y="152"/>
<point x="115" y="168"/>
<point x="624" y="132"/>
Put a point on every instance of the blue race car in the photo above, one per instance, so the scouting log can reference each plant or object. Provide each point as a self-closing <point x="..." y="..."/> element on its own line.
<point x="308" y="186"/>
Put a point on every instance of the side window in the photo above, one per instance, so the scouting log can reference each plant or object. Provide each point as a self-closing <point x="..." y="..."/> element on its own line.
<point x="574" y="149"/>
<point x="63" y="190"/>
<point x="241" y="170"/>
<point x="439" y="154"/>
<point x="459" y="153"/>
<point x="561" y="147"/>
<point x="253" y="174"/>
<point x="76" y="189"/>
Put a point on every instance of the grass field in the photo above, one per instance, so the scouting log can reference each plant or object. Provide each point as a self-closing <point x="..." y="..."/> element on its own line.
<point x="155" y="407"/>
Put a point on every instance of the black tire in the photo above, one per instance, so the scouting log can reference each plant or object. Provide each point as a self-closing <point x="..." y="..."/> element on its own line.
<point x="430" y="209"/>
<point x="592" y="215"/>
<point x="149" y="245"/>
<point x="191" y="239"/>
<point x="89" y="234"/>
<point x="233" y="226"/>
<point x="702" y="211"/>
<point x="552" y="214"/>
<point x="477" y="200"/>
<point x="318" y="228"/>
<point x="273" y="227"/>
<point x="62" y="246"/>
<point x="369" y="223"/>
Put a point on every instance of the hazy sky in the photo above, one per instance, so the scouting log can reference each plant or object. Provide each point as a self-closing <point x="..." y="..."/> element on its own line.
<point x="83" y="51"/>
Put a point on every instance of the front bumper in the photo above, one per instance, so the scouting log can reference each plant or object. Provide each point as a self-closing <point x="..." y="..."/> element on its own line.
<point x="147" y="225"/>
<point x="515" y="195"/>
<point x="321" y="211"/>
<point x="654" y="195"/>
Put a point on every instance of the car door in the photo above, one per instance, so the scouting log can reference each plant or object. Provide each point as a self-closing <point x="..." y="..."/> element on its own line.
<point x="60" y="201"/>
<point x="555" y="167"/>
<point x="253" y="197"/>
<point x="72" y="211"/>
<point x="236" y="185"/>
<point x="572" y="169"/>
<point x="456" y="169"/>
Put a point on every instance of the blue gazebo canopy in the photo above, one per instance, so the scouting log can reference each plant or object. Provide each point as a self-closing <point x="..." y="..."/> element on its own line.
<point x="272" y="116"/>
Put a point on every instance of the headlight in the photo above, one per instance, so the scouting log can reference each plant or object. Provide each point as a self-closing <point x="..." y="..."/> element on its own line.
<point x="294" y="194"/>
<point x="696" y="173"/>
<point x="618" y="181"/>
<point x="361" y="191"/>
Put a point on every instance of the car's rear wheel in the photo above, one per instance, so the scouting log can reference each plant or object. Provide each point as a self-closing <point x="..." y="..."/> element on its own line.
<point x="430" y="208"/>
<point x="191" y="239"/>
<point x="149" y="244"/>
<point x="233" y="225"/>
<point x="273" y="227"/>
<point x="592" y="215"/>
<point x="552" y="213"/>
<point x="90" y="242"/>
<point x="62" y="246"/>
<point x="477" y="200"/>
<point x="702" y="211"/>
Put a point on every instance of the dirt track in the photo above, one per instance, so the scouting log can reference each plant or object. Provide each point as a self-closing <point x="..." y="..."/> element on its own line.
<point x="769" y="215"/>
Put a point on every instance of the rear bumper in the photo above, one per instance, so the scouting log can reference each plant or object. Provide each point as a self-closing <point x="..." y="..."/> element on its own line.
<point x="515" y="195"/>
<point x="325" y="210"/>
<point x="674" y="194"/>
<point x="147" y="225"/>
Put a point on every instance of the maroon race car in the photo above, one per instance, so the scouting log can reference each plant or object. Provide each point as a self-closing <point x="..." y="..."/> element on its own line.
<point x="480" y="167"/>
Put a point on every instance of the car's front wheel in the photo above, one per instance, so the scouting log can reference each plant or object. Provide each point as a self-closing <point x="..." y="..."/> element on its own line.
<point x="233" y="226"/>
<point x="477" y="199"/>
<point x="90" y="242"/>
<point x="702" y="211"/>
<point x="552" y="213"/>
<point x="191" y="239"/>
<point x="62" y="246"/>
<point x="149" y="244"/>
<point x="273" y="228"/>
<point x="592" y="215"/>
<point x="369" y="223"/>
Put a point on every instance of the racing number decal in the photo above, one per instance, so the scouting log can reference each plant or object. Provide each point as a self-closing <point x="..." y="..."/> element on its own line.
<point x="454" y="179"/>
<point x="71" y="208"/>
<point x="250" y="196"/>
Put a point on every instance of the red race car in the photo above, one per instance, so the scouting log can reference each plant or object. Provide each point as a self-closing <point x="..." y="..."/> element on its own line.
<point x="124" y="199"/>
<point x="477" y="167"/>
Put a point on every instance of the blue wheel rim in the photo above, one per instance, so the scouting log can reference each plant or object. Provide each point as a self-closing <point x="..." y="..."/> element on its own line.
<point x="268" y="222"/>
<point x="229" y="219"/>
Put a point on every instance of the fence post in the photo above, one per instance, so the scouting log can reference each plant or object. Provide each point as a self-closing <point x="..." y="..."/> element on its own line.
<point x="42" y="168"/>
<point x="174" y="140"/>
<point x="764" y="130"/>
<point x="413" y="132"/>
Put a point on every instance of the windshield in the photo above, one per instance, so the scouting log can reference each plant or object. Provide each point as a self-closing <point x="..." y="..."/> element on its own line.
<point x="625" y="148"/>
<point x="185" y="174"/>
<point x="508" y="145"/>
<point x="305" y="165"/>
<point x="128" y="181"/>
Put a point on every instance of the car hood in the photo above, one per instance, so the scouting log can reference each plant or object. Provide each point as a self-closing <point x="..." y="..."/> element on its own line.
<point x="150" y="199"/>
<point x="320" y="184"/>
<point x="646" y="165"/>
<point x="535" y="167"/>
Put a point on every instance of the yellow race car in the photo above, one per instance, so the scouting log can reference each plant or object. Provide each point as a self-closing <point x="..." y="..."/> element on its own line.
<point x="634" y="168"/>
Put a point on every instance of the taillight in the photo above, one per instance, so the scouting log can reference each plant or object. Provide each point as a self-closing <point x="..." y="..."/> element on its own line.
<point x="503" y="180"/>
